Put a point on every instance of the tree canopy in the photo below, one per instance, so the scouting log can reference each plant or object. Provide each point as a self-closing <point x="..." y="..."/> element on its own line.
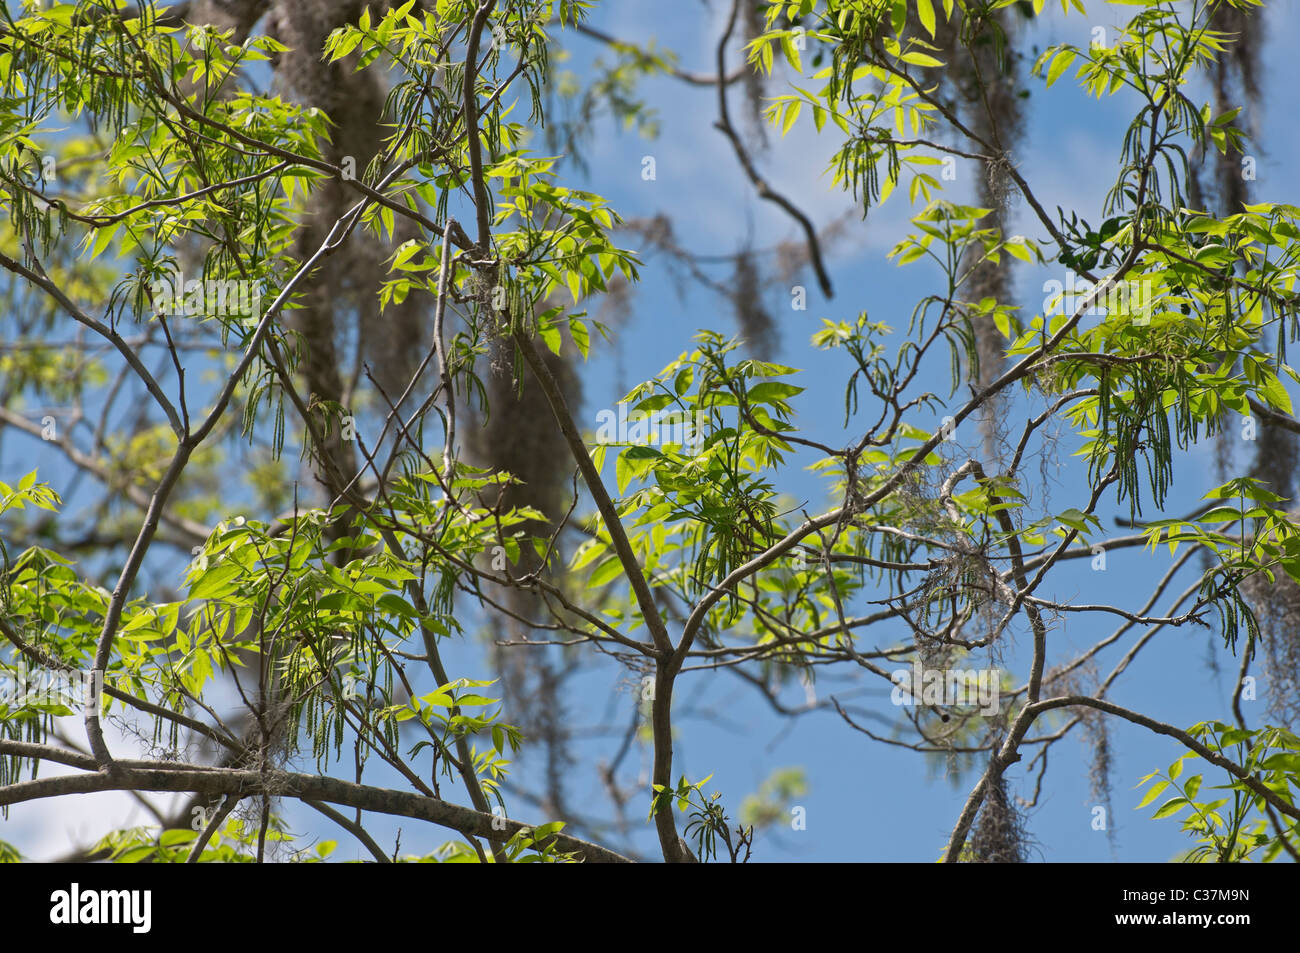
<point x="358" y="240"/>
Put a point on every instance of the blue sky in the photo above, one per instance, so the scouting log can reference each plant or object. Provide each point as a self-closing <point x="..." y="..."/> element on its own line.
<point x="866" y="801"/>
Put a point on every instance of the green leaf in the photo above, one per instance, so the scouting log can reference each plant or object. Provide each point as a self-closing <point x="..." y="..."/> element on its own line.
<point x="1170" y="808"/>
<point x="791" y="54"/>
<point x="925" y="13"/>
<point x="920" y="59"/>
<point x="103" y="237"/>
<point x="1153" y="793"/>
<point x="898" y="16"/>
<point x="405" y="253"/>
<point x="682" y="383"/>
<point x="581" y="337"/>
<point x="791" y="115"/>
<point x="345" y="45"/>
<point x="1060" y="63"/>
<point x="216" y="581"/>
<point x="550" y="335"/>
<point x="1273" y="392"/>
<point x="606" y="572"/>
<point x="771" y="391"/>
